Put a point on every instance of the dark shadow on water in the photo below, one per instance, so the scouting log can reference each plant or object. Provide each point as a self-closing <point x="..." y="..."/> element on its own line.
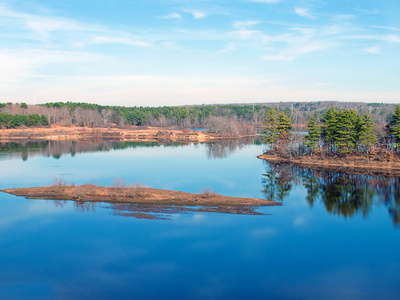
<point x="166" y="212"/>
<point x="157" y="212"/>
<point x="341" y="194"/>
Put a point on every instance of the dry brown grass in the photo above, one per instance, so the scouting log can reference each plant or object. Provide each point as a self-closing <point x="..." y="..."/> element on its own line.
<point x="207" y="193"/>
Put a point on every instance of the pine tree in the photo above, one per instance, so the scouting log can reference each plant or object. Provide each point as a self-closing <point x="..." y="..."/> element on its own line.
<point x="329" y="127"/>
<point x="367" y="136"/>
<point x="393" y="127"/>
<point x="314" y="133"/>
<point x="285" y="125"/>
<point x="270" y="130"/>
<point x="346" y="131"/>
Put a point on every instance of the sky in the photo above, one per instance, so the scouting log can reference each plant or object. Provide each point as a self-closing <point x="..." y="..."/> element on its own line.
<point x="177" y="52"/>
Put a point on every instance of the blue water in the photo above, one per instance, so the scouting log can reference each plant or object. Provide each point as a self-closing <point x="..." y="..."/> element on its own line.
<point x="50" y="250"/>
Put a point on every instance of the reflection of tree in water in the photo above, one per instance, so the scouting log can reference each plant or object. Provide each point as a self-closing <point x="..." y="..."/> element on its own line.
<point x="313" y="188"/>
<point x="56" y="149"/>
<point x="82" y="206"/>
<point x="277" y="182"/>
<point x="341" y="194"/>
<point x="224" y="148"/>
<point x="85" y="206"/>
<point x="59" y="203"/>
<point x="346" y="194"/>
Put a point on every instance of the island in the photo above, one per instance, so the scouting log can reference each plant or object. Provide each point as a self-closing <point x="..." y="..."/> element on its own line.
<point x="206" y="201"/>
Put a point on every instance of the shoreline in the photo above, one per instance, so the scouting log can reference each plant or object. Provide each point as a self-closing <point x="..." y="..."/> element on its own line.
<point x="73" y="133"/>
<point x="357" y="165"/>
<point x="209" y="201"/>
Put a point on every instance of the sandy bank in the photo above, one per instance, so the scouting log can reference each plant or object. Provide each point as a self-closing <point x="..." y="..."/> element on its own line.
<point x="352" y="165"/>
<point x="152" y="134"/>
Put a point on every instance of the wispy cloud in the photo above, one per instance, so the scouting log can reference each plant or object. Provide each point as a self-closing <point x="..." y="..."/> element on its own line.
<point x="304" y="12"/>
<point x="44" y="25"/>
<point x="344" y="17"/>
<point x="392" y="38"/>
<point x="119" y="40"/>
<point x="245" y="24"/>
<point x="197" y="14"/>
<point x="297" y="49"/>
<point x="373" y="50"/>
<point x="172" y="16"/>
<point x="387" y="28"/>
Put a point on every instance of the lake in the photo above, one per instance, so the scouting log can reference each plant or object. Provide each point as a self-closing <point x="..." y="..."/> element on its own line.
<point x="334" y="237"/>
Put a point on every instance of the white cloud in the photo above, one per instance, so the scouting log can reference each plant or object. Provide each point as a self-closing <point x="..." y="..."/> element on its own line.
<point x="387" y="28"/>
<point x="297" y="49"/>
<point x="173" y="16"/>
<point x="392" y="38"/>
<point x="198" y="14"/>
<point x="304" y="12"/>
<point x="245" y="24"/>
<point x="247" y="34"/>
<point x="374" y="50"/>
<point x="119" y="40"/>
<point x="44" y="25"/>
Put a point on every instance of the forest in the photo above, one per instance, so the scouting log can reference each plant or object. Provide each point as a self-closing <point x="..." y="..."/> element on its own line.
<point x="210" y="116"/>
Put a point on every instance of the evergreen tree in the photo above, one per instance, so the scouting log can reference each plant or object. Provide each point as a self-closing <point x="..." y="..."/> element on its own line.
<point x="314" y="133"/>
<point x="285" y="125"/>
<point x="270" y="130"/>
<point x="43" y="120"/>
<point x="393" y="127"/>
<point x="329" y="127"/>
<point x="346" y="131"/>
<point x="367" y="137"/>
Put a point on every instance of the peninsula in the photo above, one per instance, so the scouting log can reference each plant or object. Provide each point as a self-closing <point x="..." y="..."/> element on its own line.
<point x="388" y="165"/>
<point x="132" y="134"/>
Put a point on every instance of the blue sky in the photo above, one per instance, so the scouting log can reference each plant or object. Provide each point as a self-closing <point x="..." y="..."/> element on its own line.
<point x="173" y="52"/>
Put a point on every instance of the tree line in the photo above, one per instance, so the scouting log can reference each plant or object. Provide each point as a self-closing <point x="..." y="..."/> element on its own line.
<point x="335" y="132"/>
<point x="88" y="114"/>
<point x="13" y="121"/>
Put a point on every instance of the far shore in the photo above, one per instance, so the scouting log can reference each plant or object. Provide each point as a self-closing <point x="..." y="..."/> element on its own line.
<point x="388" y="166"/>
<point x="143" y="195"/>
<point x="133" y="134"/>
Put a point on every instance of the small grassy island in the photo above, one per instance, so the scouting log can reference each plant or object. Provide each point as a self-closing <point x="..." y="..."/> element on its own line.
<point x="206" y="201"/>
<point x="341" y="141"/>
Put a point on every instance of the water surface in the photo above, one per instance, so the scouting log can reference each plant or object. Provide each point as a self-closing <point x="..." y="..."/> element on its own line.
<point x="334" y="237"/>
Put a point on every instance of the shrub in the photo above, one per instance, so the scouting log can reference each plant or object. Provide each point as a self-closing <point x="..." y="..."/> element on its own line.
<point x="207" y="193"/>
